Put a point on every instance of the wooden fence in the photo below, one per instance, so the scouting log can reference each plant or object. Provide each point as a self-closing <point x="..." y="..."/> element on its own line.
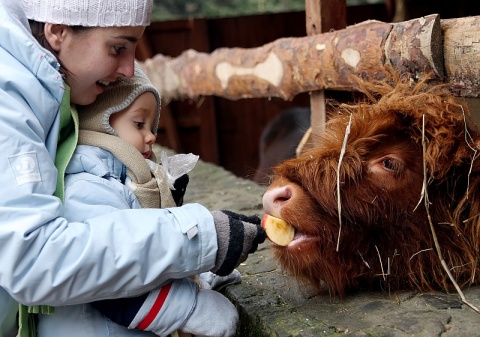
<point x="284" y="71"/>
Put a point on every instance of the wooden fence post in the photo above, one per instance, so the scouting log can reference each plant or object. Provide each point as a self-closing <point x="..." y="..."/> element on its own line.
<point x="321" y="16"/>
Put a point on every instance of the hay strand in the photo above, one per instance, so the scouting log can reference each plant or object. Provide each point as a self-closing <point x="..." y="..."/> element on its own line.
<point x="475" y="155"/>
<point x="342" y="154"/>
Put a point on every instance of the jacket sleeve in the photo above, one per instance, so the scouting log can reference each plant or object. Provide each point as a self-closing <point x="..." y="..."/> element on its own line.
<point x="47" y="260"/>
<point x="120" y="254"/>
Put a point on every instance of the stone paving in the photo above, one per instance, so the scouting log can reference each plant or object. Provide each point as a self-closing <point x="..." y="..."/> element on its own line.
<point x="273" y="304"/>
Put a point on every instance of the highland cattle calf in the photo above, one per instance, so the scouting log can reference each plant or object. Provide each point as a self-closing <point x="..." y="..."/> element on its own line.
<point x="402" y="170"/>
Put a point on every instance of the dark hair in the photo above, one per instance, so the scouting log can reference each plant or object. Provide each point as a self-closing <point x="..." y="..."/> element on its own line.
<point x="38" y="32"/>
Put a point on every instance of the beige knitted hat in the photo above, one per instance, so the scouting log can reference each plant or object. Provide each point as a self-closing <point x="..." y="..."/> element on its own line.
<point x="117" y="97"/>
<point x="90" y="13"/>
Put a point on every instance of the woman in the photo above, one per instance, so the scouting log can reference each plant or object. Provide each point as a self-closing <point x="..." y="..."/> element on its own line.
<point x="46" y="259"/>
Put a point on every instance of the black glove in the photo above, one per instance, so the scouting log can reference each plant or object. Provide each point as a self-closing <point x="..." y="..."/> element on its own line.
<point x="180" y="186"/>
<point x="238" y="235"/>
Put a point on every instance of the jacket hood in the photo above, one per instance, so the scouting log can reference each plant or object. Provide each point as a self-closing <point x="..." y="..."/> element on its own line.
<point x="16" y="37"/>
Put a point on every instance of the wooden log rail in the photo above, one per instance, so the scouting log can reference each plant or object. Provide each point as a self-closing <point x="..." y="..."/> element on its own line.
<point x="286" y="67"/>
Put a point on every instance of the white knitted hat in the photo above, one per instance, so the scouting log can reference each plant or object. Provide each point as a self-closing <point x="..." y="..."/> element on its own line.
<point x="90" y="13"/>
<point x="117" y="97"/>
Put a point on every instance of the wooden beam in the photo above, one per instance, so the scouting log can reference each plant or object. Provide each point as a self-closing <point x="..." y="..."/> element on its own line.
<point x="321" y="16"/>
<point x="325" y="15"/>
<point x="333" y="60"/>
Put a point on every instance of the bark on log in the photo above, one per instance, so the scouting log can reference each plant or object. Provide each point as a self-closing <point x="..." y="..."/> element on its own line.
<point x="289" y="66"/>
<point x="462" y="55"/>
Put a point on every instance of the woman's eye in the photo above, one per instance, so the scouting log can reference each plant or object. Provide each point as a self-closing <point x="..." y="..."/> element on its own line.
<point x="119" y="49"/>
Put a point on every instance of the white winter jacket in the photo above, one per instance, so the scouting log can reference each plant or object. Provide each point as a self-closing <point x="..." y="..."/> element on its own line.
<point x="94" y="185"/>
<point x="44" y="258"/>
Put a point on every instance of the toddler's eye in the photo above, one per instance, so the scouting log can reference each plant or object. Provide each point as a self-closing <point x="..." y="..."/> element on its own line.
<point x="139" y="125"/>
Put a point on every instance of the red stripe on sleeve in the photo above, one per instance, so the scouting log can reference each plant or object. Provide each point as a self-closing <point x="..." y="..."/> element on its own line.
<point x="157" y="306"/>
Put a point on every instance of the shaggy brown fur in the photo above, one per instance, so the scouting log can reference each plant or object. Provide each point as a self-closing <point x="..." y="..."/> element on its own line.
<point x="386" y="240"/>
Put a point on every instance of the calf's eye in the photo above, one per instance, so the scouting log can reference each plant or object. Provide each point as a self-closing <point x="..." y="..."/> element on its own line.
<point x="391" y="164"/>
<point x="386" y="166"/>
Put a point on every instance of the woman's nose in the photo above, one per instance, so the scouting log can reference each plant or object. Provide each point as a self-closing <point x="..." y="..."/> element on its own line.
<point x="126" y="68"/>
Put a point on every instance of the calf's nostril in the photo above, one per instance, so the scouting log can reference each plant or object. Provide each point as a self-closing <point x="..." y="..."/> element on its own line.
<point x="275" y="198"/>
<point x="283" y="195"/>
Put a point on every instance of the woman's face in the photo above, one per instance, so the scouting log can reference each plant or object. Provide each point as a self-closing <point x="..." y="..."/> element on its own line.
<point x="96" y="57"/>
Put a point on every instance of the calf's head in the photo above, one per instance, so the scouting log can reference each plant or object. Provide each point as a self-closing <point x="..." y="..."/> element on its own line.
<point x="379" y="164"/>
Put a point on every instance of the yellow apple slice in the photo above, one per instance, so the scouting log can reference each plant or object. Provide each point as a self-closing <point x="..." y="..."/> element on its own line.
<point x="278" y="230"/>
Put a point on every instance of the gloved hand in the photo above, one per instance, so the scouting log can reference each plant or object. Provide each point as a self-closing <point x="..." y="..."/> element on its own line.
<point x="180" y="186"/>
<point x="237" y="235"/>
<point x="209" y="280"/>
<point x="213" y="316"/>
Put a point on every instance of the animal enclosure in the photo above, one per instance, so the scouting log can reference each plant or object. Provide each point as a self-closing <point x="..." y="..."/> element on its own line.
<point x="226" y="130"/>
<point x="223" y="131"/>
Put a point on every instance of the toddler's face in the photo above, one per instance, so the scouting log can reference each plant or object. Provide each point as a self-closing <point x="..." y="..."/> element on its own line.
<point x="135" y="123"/>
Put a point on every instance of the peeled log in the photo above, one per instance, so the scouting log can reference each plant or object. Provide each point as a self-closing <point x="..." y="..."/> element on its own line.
<point x="289" y="66"/>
